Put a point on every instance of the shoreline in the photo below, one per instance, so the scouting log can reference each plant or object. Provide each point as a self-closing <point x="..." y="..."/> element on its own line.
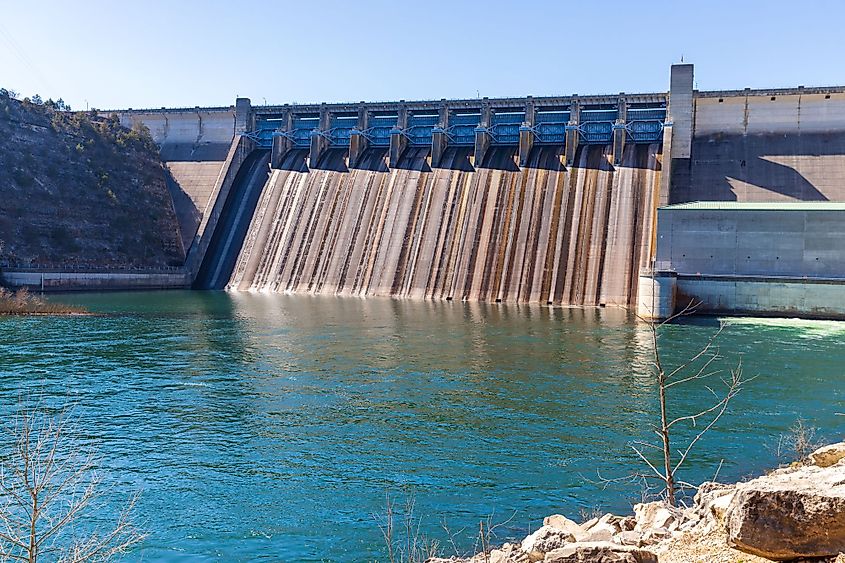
<point x="792" y="513"/>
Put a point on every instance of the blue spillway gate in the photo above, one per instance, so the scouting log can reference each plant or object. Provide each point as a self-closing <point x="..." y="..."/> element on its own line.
<point x="550" y="127"/>
<point x="378" y="132"/>
<point x="461" y="130"/>
<point x="265" y="129"/>
<point x="504" y="127"/>
<point x="596" y="127"/>
<point x="300" y="133"/>
<point x="420" y="129"/>
<point x="340" y="130"/>
<point x="594" y="124"/>
<point x="645" y="125"/>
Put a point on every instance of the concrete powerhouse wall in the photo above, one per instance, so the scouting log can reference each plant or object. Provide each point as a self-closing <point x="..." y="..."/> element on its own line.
<point x="765" y="146"/>
<point x="783" y="259"/>
<point x="811" y="298"/>
<point x="799" y="240"/>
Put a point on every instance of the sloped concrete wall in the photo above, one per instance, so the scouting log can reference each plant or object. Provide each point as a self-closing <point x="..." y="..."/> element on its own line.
<point x="194" y="145"/>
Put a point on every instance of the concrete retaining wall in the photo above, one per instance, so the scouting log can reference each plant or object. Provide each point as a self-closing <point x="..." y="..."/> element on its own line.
<point x="70" y="281"/>
<point x="770" y="296"/>
<point x="191" y="127"/>
<point x="803" y="241"/>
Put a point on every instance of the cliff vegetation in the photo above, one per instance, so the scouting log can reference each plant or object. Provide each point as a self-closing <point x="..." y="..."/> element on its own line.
<point x="78" y="191"/>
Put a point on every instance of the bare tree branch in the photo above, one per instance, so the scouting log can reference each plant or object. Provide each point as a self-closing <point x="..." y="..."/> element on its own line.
<point x="700" y="366"/>
<point x="47" y="488"/>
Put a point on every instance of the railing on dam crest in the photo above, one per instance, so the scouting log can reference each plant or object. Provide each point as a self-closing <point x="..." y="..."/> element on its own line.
<point x="522" y="123"/>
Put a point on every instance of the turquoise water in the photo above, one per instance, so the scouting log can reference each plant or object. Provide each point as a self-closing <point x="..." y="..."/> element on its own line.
<point x="273" y="426"/>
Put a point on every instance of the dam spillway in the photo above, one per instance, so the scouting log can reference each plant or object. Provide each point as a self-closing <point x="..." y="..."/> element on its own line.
<point x="547" y="200"/>
<point x="550" y="200"/>
<point x="541" y="233"/>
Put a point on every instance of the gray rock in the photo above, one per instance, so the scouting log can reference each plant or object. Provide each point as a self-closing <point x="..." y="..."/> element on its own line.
<point x="790" y="513"/>
<point x="656" y="514"/>
<point x="599" y="552"/>
<point x="655" y="535"/>
<point x="544" y="540"/>
<point x="708" y="512"/>
<point x="629" y="537"/>
<point x="627" y="524"/>
<point x="565" y="524"/>
<point x="589" y="523"/>
<point x="507" y="554"/>
<point x="602" y="531"/>
<point x="610" y="519"/>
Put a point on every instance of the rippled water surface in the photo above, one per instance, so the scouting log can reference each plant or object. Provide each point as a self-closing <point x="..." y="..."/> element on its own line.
<point x="273" y="426"/>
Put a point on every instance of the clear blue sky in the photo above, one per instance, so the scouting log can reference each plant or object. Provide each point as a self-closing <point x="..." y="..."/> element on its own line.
<point x="117" y="54"/>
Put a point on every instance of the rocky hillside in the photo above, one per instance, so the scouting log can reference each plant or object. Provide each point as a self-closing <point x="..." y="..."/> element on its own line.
<point x="81" y="192"/>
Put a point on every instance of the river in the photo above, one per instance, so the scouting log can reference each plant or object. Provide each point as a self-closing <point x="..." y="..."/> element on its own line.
<point x="275" y="425"/>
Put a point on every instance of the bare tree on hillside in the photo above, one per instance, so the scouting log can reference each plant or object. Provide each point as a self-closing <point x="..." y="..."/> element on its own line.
<point x="699" y="368"/>
<point x="48" y="489"/>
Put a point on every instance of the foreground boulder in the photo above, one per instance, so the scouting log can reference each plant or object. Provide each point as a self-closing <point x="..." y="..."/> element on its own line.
<point x="793" y="512"/>
<point x="544" y="540"/>
<point x="599" y="552"/>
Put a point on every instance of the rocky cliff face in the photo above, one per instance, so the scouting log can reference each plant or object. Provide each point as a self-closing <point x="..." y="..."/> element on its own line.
<point x="79" y="192"/>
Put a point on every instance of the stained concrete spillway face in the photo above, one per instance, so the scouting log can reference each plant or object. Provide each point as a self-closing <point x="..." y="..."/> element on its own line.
<point x="541" y="234"/>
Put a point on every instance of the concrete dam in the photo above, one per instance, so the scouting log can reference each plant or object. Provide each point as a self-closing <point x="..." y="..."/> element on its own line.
<point x="497" y="233"/>
<point x="549" y="200"/>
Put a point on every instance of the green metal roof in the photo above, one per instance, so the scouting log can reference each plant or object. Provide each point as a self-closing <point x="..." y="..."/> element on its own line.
<point x="758" y="206"/>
